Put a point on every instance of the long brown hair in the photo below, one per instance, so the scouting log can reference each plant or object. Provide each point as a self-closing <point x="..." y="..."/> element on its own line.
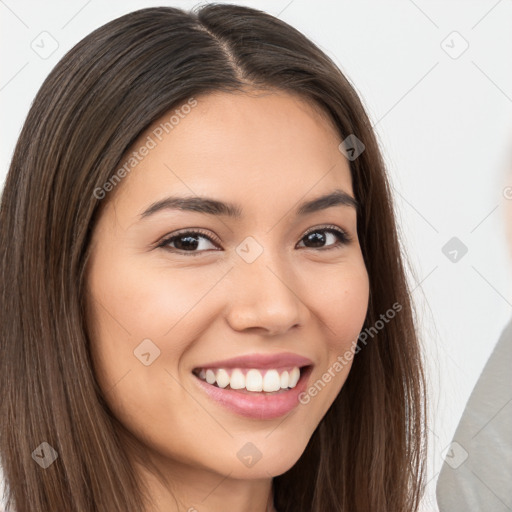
<point x="368" y="451"/>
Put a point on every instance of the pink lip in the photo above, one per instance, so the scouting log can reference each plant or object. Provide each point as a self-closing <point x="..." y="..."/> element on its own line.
<point x="261" y="361"/>
<point x="261" y="406"/>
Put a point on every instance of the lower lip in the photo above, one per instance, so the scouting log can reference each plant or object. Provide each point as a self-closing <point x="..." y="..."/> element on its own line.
<point x="258" y="405"/>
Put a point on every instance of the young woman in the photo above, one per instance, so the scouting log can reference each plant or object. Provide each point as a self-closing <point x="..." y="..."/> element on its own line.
<point x="203" y="301"/>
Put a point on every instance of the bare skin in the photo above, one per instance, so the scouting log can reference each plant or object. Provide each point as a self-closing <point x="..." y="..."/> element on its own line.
<point x="267" y="153"/>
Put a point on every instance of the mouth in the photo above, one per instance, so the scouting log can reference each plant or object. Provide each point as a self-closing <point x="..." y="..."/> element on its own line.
<point x="255" y="393"/>
<point x="269" y="381"/>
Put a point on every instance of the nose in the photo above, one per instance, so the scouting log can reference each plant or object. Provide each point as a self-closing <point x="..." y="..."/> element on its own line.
<point x="265" y="296"/>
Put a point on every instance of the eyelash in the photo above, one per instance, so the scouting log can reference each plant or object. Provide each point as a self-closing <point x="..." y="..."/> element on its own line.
<point x="343" y="239"/>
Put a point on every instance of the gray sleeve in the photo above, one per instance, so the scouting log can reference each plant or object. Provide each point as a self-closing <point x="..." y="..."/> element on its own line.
<point x="477" y="471"/>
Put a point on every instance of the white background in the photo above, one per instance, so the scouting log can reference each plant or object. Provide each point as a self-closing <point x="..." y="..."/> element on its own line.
<point x="445" y="126"/>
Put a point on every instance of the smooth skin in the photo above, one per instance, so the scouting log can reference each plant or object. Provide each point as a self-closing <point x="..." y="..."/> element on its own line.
<point x="266" y="152"/>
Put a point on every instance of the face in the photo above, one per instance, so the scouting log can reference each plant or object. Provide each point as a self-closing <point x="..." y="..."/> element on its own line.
<point x="250" y="302"/>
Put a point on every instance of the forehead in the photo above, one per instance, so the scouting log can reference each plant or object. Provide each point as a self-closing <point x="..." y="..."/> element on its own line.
<point x="266" y="145"/>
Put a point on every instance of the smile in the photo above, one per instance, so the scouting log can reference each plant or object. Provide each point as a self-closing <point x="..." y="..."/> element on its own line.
<point x="254" y="393"/>
<point x="255" y="380"/>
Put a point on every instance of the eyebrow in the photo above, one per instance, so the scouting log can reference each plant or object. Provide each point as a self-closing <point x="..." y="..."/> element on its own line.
<point x="211" y="206"/>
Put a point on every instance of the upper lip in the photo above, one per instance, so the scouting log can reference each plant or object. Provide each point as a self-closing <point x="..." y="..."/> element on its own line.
<point x="263" y="361"/>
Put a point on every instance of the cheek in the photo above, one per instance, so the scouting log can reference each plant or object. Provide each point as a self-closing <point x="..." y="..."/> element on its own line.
<point x="340" y="299"/>
<point x="138" y="304"/>
<point x="342" y="306"/>
<point x="352" y="308"/>
<point x="130" y="304"/>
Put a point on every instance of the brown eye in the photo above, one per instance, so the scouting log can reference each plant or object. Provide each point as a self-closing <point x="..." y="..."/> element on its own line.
<point x="318" y="238"/>
<point x="189" y="242"/>
<point x="186" y="242"/>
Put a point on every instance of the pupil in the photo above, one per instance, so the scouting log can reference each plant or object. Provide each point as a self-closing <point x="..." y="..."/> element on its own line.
<point x="317" y="237"/>
<point x="190" y="244"/>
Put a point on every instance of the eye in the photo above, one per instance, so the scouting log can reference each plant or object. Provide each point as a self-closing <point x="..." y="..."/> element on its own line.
<point x="186" y="242"/>
<point x="312" y="237"/>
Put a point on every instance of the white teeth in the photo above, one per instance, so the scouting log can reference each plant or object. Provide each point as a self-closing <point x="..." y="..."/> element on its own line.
<point x="237" y="380"/>
<point x="271" y="381"/>
<point x="284" y="380"/>
<point x="294" y="377"/>
<point x="222" y="378"/>
<point x="253" y="380"/>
